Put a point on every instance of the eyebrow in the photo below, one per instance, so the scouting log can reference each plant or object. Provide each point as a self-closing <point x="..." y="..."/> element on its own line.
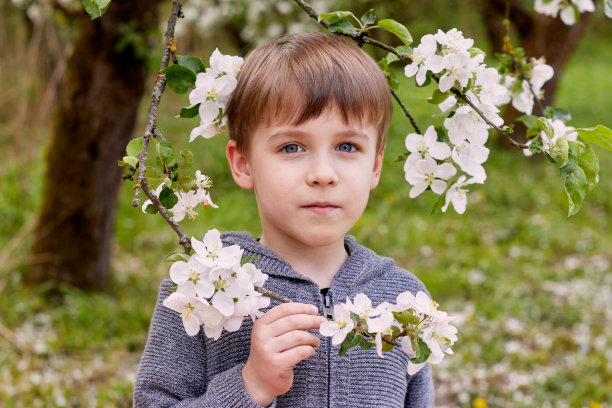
<point x="296" y="133"/>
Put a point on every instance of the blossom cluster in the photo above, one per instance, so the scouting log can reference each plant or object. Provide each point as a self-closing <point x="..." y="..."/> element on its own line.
<point x="414" y="322"/>
<point x="567" y="10"/>
<point x="214" y="289"/>
<point x="432" y="163"/>
<point x="212" y="91"/>
<point x="187" y="200"/>
<point x="553" y="145"/>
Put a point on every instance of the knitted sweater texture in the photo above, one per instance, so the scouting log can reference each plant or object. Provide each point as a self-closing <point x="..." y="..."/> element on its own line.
<point x="177" y="370"/>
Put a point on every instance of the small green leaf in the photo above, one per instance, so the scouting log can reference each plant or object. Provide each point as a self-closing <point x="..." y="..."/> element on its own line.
<point x="351" y="340"/>
<point x="608" y="8"/>
<point x="546" y="127"/>
<point x="599" y="135"/>
<point x="590" y="165"/>
<point x="366" y="345"/>
<point x="422" y="352"/>
<point x="168" y="198"/>
<point x="386" y="347"/>
<point x="368" y="18"/>
<point x="151" y="209"/>
<point x="402" y="157"/>
<point x="155" y="172"/>
<point x="344" y="26"/>
<point x="134" y="147"/>
<point x="95" y="8"/>
<point x="573" y="157"/>
<point x="536" y="146"/>
<point x="335" y="16"/>
<point x="575" y="187"/>
<point x="193" y="63"/>
<point x="185" y="160"/>
<point x="130" y="160"/>
<point x="474" y="51"/>
<point x="406" y="317"/>
<point x="165" y="151"/>
<point x="562" y="115"/>
<point x="355" y="317"/>
<point x="438" y="97"/>
<point x="529" y="121"/>
<point x="391" y="57"/>
<point x="177" y="256"/>
<point x="180" y="79"/>
<point x="396" y="28"/>
<point x="190" y="112"/>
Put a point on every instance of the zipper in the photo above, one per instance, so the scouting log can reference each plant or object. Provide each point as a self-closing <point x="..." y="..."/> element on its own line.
<point x="328" y="312"/>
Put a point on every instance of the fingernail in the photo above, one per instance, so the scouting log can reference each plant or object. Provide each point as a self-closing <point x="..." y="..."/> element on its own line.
<point x="315" y="310"/>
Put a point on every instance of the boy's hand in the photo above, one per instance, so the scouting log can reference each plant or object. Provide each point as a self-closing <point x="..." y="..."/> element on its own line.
<point x="279" y="341"/>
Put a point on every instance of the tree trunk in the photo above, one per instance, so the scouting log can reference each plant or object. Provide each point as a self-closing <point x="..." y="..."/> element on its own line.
<point x="96" y="112"/>
<point x="540" y="36"/>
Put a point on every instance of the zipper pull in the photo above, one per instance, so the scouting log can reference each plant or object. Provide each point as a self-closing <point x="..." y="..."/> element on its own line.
<point x="327" y="307"/>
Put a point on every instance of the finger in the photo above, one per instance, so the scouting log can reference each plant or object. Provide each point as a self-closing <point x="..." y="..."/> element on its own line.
<point x="293" y="356"/>
<point x="294" y="322"/>
<point x="294" y="339"/>
<point x="286" y="309"/>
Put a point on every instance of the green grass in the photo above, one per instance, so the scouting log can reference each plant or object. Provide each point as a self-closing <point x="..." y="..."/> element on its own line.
<point x="531" y="287"/>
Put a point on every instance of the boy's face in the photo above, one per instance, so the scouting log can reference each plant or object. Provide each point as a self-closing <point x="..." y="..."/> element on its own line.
<point x="311" y="181"/>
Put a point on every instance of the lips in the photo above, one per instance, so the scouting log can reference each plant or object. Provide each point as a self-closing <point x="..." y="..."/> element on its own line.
<point x="320" y="207"/>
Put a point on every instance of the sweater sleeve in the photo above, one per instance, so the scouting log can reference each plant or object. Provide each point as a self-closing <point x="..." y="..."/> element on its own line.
<point x="172" y="370"/>
<point x="420" y="393"/>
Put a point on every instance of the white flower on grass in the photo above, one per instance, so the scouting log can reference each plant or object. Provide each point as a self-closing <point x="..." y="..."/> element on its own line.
<point x="427" y="145"/>
<point x="340" y="326"/>
<point x="190" y="309"/>
<point x="382" y="326"/>
<point x="192" y="278"/>
<point x="470" y="157"/>
<point x="457" y="194"/>
<point x="424" y="59"/>
<point x="427" y="173"/>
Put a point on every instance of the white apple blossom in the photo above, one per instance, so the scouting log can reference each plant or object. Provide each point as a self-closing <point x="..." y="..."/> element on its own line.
<point x="427" y="145"/>
<point x="427" y="173"/>
<point x="424" y="59"/>
<point x="382" y="326"/>
<point x="211" y="252"/>
<point x="488" y="87"/>
<point x="340" y="326"/>
<point x="457" y="194"/>
<point x="190" y="308"/>
<point x="192" y="278"/>
<point x="225" y="64"/>
<point x="469" y="157"/>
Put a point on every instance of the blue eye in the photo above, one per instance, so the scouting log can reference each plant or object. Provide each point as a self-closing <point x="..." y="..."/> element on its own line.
<point x="292" y="148"/>
<point x="346" y="147"/>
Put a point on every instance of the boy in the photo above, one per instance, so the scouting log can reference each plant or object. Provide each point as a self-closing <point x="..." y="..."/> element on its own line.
<point x="307" y="125"/>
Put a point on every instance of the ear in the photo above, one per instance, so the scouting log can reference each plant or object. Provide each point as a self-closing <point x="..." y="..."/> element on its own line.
<point x="378" y="162"/>
<point x="239" y="165"/>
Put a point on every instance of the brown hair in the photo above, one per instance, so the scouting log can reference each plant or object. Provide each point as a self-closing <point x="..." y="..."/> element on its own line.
<point x="296" y="77"/>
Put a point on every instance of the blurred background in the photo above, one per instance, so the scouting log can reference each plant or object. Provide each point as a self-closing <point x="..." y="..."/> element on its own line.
<point x="80" y="267"/>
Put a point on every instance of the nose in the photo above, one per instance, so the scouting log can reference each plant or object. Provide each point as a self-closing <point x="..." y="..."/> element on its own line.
<point x="322" y="171"/>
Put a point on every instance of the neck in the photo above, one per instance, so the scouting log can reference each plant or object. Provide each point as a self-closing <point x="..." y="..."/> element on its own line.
<point x="319" y="263"/>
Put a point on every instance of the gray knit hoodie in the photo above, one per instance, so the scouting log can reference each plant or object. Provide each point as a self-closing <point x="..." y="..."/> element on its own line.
<point x="177" y="370"/>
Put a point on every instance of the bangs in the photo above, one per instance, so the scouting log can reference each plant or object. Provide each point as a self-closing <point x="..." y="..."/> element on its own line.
<point x="296" y="78"/>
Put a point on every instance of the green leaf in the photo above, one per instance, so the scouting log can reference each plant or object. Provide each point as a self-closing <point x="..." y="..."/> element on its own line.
<point x="599" y="135"/>
<point x="177" y="256"/>
<point x="368" y="18"/>
<point x="575" y="187"/>
<point x="351" y="340"/>
<point x="165" y="151"/>
<point x="562" y="115"/>
<point x="536" y="146"/>
<point x="95" y="8"/>
<point x="180" y="79"/>
<point x="344" y="26"/>
<point x="151" y="209"/>
<point x="573" y="157"/>
<point x="168" y="198"/>
<point x="528" y="120"/>
<point x="590" y="165"/>
<point x="396" y="28"/>
<point x="422" y="352"/>
<point x="608" y="8"/>
<point x="354" y="317"/>
<point x="335" y="16"/>
<point x="386" y="347"/>
<point x="130" y="160"/>
<point x="406" y="317"/>
<point x="193" y="63"/>
<point x="134" y="147"/>
<point x="474" y="51"/>
<point x="155" y="172"/>
<point x="190" y="112"/>
<point x="185" y="160"/>
<point x="438" y="97"/>
<point x="391" y="57"/>
<point x="366" y="345"/>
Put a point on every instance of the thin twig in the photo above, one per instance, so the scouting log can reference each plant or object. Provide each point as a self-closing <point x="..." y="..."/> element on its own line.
<point x="363" y="38"/>
<point x="412" y="121"/>
<point x="272" y="295"/>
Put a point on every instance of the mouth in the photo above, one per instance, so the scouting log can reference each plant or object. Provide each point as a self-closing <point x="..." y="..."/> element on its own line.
<point x="321" y="207"/>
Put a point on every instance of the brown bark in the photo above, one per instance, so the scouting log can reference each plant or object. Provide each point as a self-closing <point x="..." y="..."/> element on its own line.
<point x="96" y="113"/>
<point x="539" y="35"/>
